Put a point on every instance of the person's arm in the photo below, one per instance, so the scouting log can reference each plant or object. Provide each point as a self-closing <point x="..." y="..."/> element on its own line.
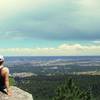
<point x="6" y="80"/>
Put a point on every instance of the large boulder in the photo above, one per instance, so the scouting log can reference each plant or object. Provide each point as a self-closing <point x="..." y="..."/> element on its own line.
<point x="17" y="94"/>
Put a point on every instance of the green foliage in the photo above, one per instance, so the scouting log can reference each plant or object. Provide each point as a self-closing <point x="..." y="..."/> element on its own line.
<point x="11" y="81"/>
<point x="43" y="87"/>
<point x="69" y="91"/>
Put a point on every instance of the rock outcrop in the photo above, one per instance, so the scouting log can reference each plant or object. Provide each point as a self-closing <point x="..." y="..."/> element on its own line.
<point x="17" y="94"/>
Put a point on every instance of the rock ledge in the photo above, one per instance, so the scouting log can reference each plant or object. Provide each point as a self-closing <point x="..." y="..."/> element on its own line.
<point x="18" y="94"/>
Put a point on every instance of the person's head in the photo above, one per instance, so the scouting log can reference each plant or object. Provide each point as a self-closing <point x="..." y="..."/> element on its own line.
<point x="1" y="60"/>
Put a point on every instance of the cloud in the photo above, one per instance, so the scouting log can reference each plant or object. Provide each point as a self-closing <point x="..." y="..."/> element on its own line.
<point x="61" y="50"/>
<point x="50" y="19"/>
<point x="96" y="42"/>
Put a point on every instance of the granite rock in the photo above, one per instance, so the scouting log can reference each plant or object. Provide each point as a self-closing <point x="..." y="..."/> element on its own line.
<point x="17" y="94"/>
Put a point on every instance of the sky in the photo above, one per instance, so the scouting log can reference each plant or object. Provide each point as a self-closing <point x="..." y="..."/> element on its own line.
<point x="49" y="27"/>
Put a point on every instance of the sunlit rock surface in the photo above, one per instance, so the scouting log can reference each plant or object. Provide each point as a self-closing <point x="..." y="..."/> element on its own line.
<point x="17" y="94"/>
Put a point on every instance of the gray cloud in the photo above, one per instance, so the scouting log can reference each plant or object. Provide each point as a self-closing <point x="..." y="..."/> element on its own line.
<point x="54" y="20"/>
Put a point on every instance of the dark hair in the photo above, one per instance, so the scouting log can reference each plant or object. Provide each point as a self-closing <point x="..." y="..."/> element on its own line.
<point x="1" y="62"/>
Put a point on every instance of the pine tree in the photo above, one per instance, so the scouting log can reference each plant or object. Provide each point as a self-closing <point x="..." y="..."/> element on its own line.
<point x="69" y="91"/>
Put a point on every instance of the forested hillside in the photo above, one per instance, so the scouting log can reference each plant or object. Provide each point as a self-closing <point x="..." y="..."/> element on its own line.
<point x="44" y="87"/>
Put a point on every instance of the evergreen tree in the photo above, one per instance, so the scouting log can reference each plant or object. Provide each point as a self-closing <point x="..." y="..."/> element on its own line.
<point x="69" y="91"/>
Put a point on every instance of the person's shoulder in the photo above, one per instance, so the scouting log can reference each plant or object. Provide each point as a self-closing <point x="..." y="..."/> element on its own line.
<point x="5" y="70"/>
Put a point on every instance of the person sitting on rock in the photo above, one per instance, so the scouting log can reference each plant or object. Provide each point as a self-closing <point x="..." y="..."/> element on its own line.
<point x="4" y="77"/>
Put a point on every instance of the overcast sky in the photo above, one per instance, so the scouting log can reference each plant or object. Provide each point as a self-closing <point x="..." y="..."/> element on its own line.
<point x="50" y="27"/>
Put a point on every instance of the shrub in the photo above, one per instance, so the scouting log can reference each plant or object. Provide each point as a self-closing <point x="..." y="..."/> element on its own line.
<point x="11" y="81"/>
